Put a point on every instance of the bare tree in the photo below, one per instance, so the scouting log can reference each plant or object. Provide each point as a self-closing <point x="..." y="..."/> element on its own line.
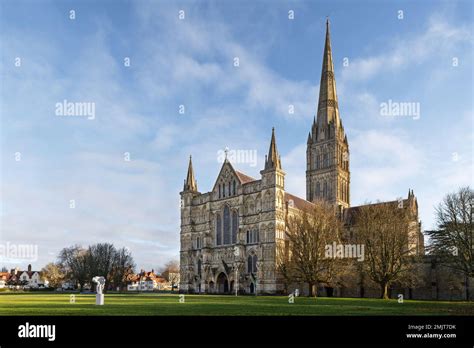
<point x="53" y="274"/>
<point x="384" y="230"/>
<point x="73" y="263"/>
<point x="453" y="241"/>
<point x="123" y="267"/>
<point x="283" y="265"/>
<point x="308" y="234"/>
<point x="171" y="273"/>
<point x="100" y="259"/>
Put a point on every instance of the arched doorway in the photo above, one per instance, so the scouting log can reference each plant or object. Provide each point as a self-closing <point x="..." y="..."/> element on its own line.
<point x="252" y="288"/>
<point x="211" y="287"/>
<point x="222" y="284"/>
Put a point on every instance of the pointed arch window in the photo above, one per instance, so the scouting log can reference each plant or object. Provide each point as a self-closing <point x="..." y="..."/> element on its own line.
<point x="198" y="243"/>
<point x="254" y="264"/>
<point x="235" y="226"/>
<point x="249" y="264"/>
<point x="227" y="236"/>
<point x="218" y="230"/>
<point x="318" y="190"/>
<point x="199" y="267"/>
<point x="233" y="188"/>
<point x="325" y="189"/>
<point x="219" y="190"/>
<point x="253" y="236"/>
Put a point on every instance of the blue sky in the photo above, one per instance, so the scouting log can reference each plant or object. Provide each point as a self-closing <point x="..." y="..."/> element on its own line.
<point x="190" y="62"/>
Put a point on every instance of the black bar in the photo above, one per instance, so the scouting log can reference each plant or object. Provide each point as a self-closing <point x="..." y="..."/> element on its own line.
<point x="287" y="330"/>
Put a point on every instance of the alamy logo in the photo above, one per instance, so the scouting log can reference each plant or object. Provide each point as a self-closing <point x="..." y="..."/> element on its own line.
<point x="85" y="109"/>
<point x="345" y="251"/>
<point x="37" y="331"/>
<point x="19" y="251"/>
<point x="393" y="108"/>
<point x="238" y="156"/>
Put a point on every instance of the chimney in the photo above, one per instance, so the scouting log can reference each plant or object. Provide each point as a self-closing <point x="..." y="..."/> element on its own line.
<point x="29" y="268"/>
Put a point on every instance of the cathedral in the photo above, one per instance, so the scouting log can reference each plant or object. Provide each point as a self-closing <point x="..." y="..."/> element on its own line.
<point x="230" y="235"/>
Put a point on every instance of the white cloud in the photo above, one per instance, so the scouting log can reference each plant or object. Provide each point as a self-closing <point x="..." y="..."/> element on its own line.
<point x="380" y="163"/>
<point x="439" y="37"/>
<point x="214" y="72"/>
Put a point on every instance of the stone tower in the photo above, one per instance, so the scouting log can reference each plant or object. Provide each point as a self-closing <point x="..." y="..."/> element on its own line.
<point x="327" y="152"/>
<point x="272" y="174"/>
<point x="272" y="216"/>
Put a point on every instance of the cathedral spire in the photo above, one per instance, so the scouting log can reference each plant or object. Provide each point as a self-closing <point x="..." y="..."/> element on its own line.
<point x="272" y="161"/>
<point x="190" y="182"/>
<point x="327" y="149"/>
<point x="327" y="105"/>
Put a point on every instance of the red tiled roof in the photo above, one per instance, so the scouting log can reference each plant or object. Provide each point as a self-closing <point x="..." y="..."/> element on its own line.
<point x="146" y="276"/>
<point x="244" y="178"/>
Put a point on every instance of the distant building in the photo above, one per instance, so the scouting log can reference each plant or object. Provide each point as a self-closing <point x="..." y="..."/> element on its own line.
<point x="28" y="278"/>
<point x="146" y="281"/>
<point x="4" y="277"/>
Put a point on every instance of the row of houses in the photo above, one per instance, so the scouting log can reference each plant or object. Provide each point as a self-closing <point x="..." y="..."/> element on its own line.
<point x="143" y="281"/>
<point x="24" y="279"/>
<point x="146" y="281"/>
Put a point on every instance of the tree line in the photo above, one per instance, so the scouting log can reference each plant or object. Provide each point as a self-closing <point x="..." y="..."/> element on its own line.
<point x="79" y="265"/>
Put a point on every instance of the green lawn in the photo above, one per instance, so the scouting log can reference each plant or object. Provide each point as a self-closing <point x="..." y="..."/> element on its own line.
<point x="165" y="304"/>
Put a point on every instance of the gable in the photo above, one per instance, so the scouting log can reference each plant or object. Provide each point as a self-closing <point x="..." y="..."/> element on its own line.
<point x="227" y="176"/>
<point x="229" y="179"/>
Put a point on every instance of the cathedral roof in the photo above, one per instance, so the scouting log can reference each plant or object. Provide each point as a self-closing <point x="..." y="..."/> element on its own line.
<point x="409" y="204"/>
<point x="244" y="178"/>
<point x="298" y="202"/>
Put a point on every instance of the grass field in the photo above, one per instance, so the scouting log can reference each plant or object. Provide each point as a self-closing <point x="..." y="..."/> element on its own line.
<point x="164" y="304"/>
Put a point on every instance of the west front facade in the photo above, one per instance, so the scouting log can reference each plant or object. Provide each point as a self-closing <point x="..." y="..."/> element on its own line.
<point x="231" y="234"/>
